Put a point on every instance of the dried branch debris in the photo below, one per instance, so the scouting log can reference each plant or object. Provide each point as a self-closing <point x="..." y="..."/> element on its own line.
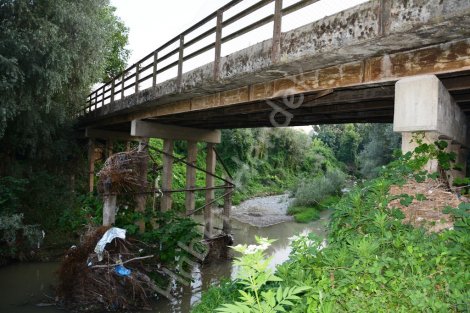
<point x="86" y="284"/>
<point x="122" y="173"/>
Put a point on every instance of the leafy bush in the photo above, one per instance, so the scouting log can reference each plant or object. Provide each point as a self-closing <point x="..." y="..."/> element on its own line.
<point x="253" y="277"/>
<point x="88" y="210"/>
<point x="379" y="144"/>
<point x="16" y="236"/>
<point x="310" y="192"/>
<point x="375" y="263"/>
<point x="225" y="292"/>
<point x="11" y="189"/>
<point x="170" y="231"/>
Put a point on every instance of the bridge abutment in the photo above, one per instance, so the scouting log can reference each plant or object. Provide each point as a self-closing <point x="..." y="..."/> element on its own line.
<point x="423" y="105"/>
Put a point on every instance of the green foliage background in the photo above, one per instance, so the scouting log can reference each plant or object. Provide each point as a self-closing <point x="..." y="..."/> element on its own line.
<point x="51" y="52"/>
<point x="371" y="261"/>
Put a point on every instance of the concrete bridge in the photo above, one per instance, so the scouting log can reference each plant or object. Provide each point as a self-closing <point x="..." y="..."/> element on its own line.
<point x="401" y="61"/>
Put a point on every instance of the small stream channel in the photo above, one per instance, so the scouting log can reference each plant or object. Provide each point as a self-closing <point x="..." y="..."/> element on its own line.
<point x="22" y="286"/>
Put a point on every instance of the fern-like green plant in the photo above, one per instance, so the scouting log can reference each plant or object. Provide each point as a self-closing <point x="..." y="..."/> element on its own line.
<point x="254" y="273"/>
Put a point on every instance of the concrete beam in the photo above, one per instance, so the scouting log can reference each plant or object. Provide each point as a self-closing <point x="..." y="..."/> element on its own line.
<point x="108" y="134"/>
<point x="444" y="58"/>
<point x="157" y="130"/>
<point x="423" y="104"/>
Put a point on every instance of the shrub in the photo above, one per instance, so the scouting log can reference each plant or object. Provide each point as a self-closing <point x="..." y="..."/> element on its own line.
<point x="16" y="236"/>
<point x="215" y="296"/>
<point x="312" y="192"/>
<point x="373" y="262"/>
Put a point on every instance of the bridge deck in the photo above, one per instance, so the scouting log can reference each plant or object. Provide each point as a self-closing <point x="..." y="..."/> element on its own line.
<point x="339" y="69"/>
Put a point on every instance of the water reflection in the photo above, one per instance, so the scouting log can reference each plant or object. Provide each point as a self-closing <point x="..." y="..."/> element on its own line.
<point x="206" y="275"/>
<point x="22" y="286"/>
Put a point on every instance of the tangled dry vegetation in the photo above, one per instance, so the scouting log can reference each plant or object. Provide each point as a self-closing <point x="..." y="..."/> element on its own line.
<point x="123" y="172"/>
<point x="86" y="284"/>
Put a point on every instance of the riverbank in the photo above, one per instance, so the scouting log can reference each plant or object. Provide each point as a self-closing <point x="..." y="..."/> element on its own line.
<point x="33" y="281"/>
<point x="375" y="260"/>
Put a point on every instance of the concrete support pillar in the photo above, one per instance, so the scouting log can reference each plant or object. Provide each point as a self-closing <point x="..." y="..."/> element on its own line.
<point x="423" y="104"/>
<point x="409" y="144"/>
<point x="109" y="209"/>
<point x="190" y="200"/>
<point x="91" y="164"/>
<point x="109" y="148"/>
<point x="167" y="174"/>
<point x="210" y="194"/>
<point x="227" y="228"/>
<point x="141" y="198"/>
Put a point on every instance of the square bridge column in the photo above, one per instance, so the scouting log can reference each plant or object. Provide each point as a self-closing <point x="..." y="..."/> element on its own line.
<point x="423" y="104"/>
<point x="170" y="133"/>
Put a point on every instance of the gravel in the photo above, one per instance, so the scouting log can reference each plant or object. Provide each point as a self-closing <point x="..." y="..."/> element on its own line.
<point x="263" y="211"/>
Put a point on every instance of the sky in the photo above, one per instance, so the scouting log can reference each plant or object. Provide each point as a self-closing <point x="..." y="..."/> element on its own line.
<point x="151" y="23"/>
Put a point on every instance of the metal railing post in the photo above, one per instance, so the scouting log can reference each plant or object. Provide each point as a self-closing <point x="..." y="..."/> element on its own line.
<point x="123" y="81"/>
<point x="113" y="85"/>
<point x="218" y="44"/>
<point x="180" y="62"/>
<point x="95" y="101"/>
<point x="276" y="49"/>
<point x="137" y="77"/>
<point x="102" y="96"/>
<point x="155" y="60"/>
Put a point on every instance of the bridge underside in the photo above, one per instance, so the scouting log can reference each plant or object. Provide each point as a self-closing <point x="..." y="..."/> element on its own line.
<point x="359" y="91"/>
<point x="372" y="103"/>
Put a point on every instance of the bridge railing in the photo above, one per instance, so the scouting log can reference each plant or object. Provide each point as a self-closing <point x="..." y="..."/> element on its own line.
<point x="148" y="68"/>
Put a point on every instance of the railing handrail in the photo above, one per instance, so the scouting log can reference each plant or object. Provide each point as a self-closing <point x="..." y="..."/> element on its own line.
<point x="117" y="84"/>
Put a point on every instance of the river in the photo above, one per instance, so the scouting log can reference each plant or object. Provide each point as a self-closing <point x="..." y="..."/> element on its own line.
<point x="23" y="286"/>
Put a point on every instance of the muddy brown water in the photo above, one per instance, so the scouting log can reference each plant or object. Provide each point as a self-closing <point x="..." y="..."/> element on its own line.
<point x="23" y="286"/>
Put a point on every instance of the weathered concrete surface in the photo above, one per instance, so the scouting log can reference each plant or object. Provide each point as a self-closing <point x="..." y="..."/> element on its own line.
<point x="367" y="43"/>
<point x="422" y="104"/>
<point x="154" y="130"/>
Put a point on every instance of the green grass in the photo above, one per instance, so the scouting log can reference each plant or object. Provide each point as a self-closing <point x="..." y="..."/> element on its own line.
<point x="226" y="292"/>
<point x="305" y="214"/>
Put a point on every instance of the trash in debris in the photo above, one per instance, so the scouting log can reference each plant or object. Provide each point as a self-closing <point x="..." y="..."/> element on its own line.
<point x="108" y="236"/>
<point x="122" y="271"/>
<point x="120" y="282"/>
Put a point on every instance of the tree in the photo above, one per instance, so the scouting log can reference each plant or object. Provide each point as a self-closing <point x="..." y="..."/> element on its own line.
<point x="116" y="52"/>
<point x="380" y="142"/>
<point x="366" y="146"/>
<point x="51" y="52"/>
<point x="343" y="139"/>
<point x="349" y="142"/>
